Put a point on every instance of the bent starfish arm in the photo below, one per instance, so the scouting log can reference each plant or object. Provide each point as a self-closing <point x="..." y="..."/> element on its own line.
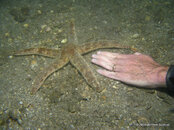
<point x="52" y="53"/>
<point x="91" y="46"/>
<point x="41" y="77"/>
<point x="83" y="67"/>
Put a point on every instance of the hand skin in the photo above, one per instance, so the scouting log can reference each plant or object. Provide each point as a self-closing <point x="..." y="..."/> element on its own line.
<point x="134" y="69"/>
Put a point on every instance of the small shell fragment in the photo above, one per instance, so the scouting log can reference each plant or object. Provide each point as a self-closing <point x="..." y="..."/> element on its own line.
<point x="64" y="40"/>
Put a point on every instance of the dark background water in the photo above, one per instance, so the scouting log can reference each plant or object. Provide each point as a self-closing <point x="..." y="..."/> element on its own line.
<point x="65" y="100"/>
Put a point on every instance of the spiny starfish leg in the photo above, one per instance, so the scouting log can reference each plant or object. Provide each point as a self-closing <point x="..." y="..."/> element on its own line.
<point x="46" y="72"/>
<point x="91" y="46"/>
<point x="52" y="53"/>
<point x="83" y="67"/>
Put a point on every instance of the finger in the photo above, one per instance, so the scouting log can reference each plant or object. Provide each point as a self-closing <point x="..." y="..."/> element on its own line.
<point x="119" y="68"/>
<point x="123" y="77"/>
<point x="113" y="55"/>
<point x="109" y="74"/>
<point x="103" y="58"/>
<point x="106" y="65"/>
<point x="127" y="78"/>
<point x="124" y="63"/>
<point x="107" y="54"/>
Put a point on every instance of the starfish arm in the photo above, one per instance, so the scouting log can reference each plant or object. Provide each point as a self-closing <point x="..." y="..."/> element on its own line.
<point x="41" y="77"/>
<point x="91" y="46"/>
<point x="83" y="67"/>
<point x="52" y="53"/>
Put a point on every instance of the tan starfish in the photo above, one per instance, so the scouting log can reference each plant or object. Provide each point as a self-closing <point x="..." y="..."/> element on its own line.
<point x="69" y="53"/>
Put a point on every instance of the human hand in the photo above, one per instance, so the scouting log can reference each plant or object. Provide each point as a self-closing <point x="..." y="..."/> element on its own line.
<point x="134" y="69"/>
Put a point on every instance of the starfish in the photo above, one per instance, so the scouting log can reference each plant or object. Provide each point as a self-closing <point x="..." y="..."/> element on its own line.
<point x="69" y="53"/>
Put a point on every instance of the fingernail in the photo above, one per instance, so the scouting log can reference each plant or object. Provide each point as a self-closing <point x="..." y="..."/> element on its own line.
<point x="137" y="53"/>
<point x="93" y="55"/>
<point x="98" y="52"/>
